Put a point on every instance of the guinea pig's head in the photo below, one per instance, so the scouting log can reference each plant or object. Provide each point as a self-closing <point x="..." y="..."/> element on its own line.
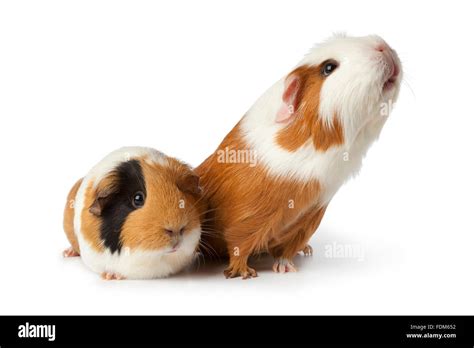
<point x="149" y="203"/>
<point x="342" y="84"/>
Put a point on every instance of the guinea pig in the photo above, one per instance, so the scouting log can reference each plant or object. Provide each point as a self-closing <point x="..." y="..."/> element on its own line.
<point x="135" y="215"/>
<point x="268" y="184"/>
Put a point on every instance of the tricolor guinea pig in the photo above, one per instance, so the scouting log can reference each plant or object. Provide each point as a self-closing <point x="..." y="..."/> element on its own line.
<point x="135" y="215"/>
<point x="271" y="179"/>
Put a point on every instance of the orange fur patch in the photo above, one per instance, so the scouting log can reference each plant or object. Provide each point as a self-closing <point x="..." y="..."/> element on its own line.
<point x="307" y="125"/>
<point x="68" y="222"/>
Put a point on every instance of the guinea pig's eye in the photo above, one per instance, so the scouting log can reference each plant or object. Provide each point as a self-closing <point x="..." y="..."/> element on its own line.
<point x="138" y="200"/>
<point x="328" y="67"/>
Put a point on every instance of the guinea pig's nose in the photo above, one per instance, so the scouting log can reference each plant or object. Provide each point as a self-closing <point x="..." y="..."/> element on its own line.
<point x="382" y="47"/>
<point x="173" y="232"/>
<point x="388" y="56"/>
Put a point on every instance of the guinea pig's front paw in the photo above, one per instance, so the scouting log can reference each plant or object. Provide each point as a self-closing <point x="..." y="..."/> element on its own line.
<point x="307" y="250"/>
<point x="70" y="252"/>
<point x="245" y="272"/>
<point x="282" y="265"/>
<point x="112" y="276"/>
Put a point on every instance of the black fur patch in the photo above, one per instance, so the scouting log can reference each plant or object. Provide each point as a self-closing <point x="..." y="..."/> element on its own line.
<point x="119" y="205"/>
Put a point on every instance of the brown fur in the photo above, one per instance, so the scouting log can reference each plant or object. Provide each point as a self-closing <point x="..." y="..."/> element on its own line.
<point x="295" y="237"/>
<point x="250" y="211"/>
<point x="307" y="125"/>
<point x="68" y="222"/>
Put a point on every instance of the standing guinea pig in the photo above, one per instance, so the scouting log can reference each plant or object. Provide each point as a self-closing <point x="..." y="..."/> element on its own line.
<point x="135" y="215"/>
<point x="271" y="179"/>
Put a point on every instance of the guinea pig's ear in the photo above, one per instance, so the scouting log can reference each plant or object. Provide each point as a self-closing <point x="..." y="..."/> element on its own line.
<point x="104" y="195"/>
<point x="189" y="183"/>
<point x="289" y="98"/>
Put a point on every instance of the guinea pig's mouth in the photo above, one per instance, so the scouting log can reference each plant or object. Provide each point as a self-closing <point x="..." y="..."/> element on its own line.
<point x="390" y="83"/>
<point x="391" y="80"/>
<point x="174" y="248"/>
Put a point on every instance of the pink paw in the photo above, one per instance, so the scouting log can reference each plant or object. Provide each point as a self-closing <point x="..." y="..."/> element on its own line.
<point x="284" y="266"/>
<point x="70" y="252"/>
<point x="112" y="276"/>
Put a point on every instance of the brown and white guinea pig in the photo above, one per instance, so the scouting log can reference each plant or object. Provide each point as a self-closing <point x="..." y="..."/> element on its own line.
<point x="269" y="182"/>
<point x="135" y="215"/>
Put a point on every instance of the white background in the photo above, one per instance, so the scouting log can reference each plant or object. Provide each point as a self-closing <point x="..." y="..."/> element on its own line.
<point x="81" y="78"/>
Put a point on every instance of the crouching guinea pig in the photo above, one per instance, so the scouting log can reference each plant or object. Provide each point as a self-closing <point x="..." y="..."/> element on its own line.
<point x="271" y="179"/>
<point x="136" y="215"/>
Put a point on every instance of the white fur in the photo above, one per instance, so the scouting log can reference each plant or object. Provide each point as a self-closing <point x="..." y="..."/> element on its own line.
<point x="353" y="92"/>
<point x="132" y="264"/>
<point x="141" y="264"/>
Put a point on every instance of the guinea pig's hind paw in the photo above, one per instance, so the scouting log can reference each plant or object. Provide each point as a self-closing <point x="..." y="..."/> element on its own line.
<point x="112" y="276"/>
<point x="307" y="250"/>
<point x="282" y="265"/>
<point x="70" y="252"/>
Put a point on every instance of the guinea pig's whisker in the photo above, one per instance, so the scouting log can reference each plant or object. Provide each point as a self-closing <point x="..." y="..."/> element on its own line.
<point x="208" y="248"/>
<point x="405" y="81"/>
<point x="199" y="200"/>
<point x="208" y="233"/>
<point x="198" y="258"/>
<point x="206" y="221"/>
<point x="213" y="218"/>
<point x="209" y="230"/>
<point x="207" y="211"/>
<point x="205" y="248"/>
